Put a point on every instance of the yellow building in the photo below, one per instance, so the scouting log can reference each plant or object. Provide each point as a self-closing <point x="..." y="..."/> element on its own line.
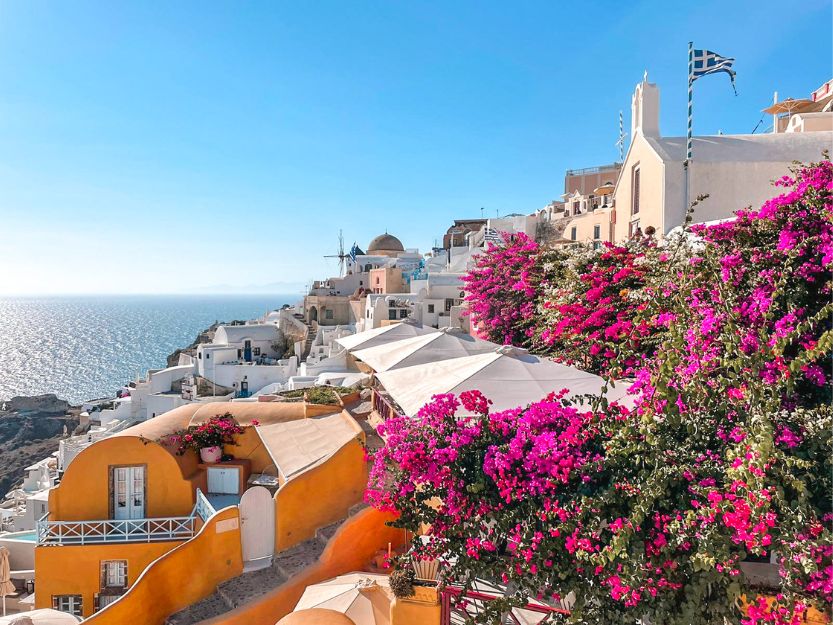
<point x="129" y="512"/>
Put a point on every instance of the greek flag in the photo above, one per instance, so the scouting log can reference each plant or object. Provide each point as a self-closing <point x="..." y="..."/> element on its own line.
<point x="355" y="251"/>
<point x="706" y="62"/>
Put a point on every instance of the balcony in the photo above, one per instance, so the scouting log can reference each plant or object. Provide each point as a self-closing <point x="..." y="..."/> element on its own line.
<point x="383" y="406"/>
<point x="119" y="531"/>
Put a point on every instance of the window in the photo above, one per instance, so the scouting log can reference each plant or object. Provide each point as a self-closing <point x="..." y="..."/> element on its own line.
<point x="328" y="314"/>
<point x="403" y="314"/>
<point x="573" y="233"/>
<point x="207" y="355"/>
<point x="576" y="208"/>
<point x="199" y="355"/>
<point x="113" y="574"/>
<point x="635" y="190"/>
<point x="391" y="304"/>
<point x="256" y="351"/>
<point x="634" y="228"/>
<point x="430" y="308"/>
<point x="105" y="600"/>
<point x="448" y="304"/>
<point x="67" y="603"/>
<point x="597" y="231"/>
<point x="377" y="279"/>
<point x="392" y="315"/>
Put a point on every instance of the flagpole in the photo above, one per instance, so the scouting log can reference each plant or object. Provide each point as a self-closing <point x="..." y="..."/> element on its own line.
<point x="621" y="138"/>
<point x="688" y="147"/>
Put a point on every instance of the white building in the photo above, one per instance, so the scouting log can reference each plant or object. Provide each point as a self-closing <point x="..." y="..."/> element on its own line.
<point x="245" y="358"/>
<point x="159" y="391"/>
<point x="736" y="171"/>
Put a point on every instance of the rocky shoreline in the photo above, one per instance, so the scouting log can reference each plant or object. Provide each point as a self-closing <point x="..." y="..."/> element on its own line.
<point x="32" y="426"/>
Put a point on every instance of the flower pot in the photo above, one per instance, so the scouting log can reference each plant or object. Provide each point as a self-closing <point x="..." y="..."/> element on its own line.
<point x="211" y="454"/>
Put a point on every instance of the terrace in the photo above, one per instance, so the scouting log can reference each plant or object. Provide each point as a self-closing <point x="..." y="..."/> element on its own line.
<point x="124" y="530"/>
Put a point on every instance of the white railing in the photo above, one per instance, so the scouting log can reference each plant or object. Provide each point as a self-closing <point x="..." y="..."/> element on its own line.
<point x="112" y="531"/>
<point x="203" y="508"/>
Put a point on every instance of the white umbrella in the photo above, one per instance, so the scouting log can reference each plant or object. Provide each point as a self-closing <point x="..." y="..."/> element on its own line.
<point x="44" y="616"/>
<point x="363" y="597"/>
<point x="380" y="336"/>
<point x="6" y="586"/>
<point x="508" y="376"/>
<point x="424" y="349"/>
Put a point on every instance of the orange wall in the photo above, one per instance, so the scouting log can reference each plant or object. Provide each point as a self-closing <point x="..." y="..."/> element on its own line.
<point x="76" y="570"/>
<point x="250" y="446"/>
<point x="423" y="608"/>
<point x="337" y="484"/>
<point x="181" y="577"/>
<point x="387" y="280"/>
<point x="84" y="494"/>
<point x="356" y="542"/>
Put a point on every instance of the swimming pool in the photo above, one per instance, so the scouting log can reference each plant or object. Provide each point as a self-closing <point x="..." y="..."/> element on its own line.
<point x="27" y="536"/>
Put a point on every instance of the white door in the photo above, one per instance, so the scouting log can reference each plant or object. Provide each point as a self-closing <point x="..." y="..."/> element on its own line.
<point x="257" y="520"/>
<point x="224" y="481"/>
<point x="128" y="493"/>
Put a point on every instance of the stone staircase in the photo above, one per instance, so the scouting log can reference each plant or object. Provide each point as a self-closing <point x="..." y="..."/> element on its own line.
<point x="251" y="586"/>
<point x="311" y="333"/>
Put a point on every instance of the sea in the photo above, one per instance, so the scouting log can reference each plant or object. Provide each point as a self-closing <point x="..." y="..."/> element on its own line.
<point x="88" y="347"/>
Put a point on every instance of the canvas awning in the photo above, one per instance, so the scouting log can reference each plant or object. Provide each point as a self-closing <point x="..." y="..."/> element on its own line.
<point x="297" y="445"/>
<point x="380" y="336"/>
<point x="424" y="349"/>
<point x="509" y="377"/>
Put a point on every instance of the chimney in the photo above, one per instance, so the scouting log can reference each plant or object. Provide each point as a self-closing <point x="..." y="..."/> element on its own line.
<point x="645" y="109"/>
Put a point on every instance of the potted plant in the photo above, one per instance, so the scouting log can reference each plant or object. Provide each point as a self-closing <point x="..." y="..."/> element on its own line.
<point x="208" y="438"/>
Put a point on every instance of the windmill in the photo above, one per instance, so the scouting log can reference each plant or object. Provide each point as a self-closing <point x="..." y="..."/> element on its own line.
<point x="342" y="257"/>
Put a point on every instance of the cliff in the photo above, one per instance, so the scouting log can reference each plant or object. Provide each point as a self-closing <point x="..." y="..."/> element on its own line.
<point x="30" y="428"/>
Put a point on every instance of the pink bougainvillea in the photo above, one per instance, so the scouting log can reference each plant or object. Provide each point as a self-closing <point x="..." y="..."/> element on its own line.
<point x="502" y="288"/>
<point x="655" y="510"/>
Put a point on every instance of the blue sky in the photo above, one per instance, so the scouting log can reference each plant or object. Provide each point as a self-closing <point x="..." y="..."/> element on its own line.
<point x="162" y="147"/>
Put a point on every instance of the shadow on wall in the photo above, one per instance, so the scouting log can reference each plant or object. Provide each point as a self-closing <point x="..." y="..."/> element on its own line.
<point x="182" y="576"/>
<point x="350" y="549"/>
<point x="338" y="483"/>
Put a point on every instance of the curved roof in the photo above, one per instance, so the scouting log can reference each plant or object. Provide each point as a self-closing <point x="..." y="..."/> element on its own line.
<point x="385" y="243"/>
<point x="191" y="414"/>
<point x="254" y="332"/>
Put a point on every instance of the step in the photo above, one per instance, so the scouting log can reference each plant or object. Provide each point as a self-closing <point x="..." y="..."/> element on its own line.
<point x="324" y="534"/>
<point x="297" y="558"/>
<point x="211" y="606"/>
<point x="252" y="585"/>
<point x="356" y="508"/>
<point x="249" y="586"/>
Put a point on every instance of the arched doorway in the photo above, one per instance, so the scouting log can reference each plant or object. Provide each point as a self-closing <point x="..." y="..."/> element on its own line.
<point x="257" y="527"/>
<point x="313" y="313"/>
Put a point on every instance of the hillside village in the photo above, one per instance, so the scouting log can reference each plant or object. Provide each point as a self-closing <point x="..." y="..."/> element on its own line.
<point x="125" y="523"/>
